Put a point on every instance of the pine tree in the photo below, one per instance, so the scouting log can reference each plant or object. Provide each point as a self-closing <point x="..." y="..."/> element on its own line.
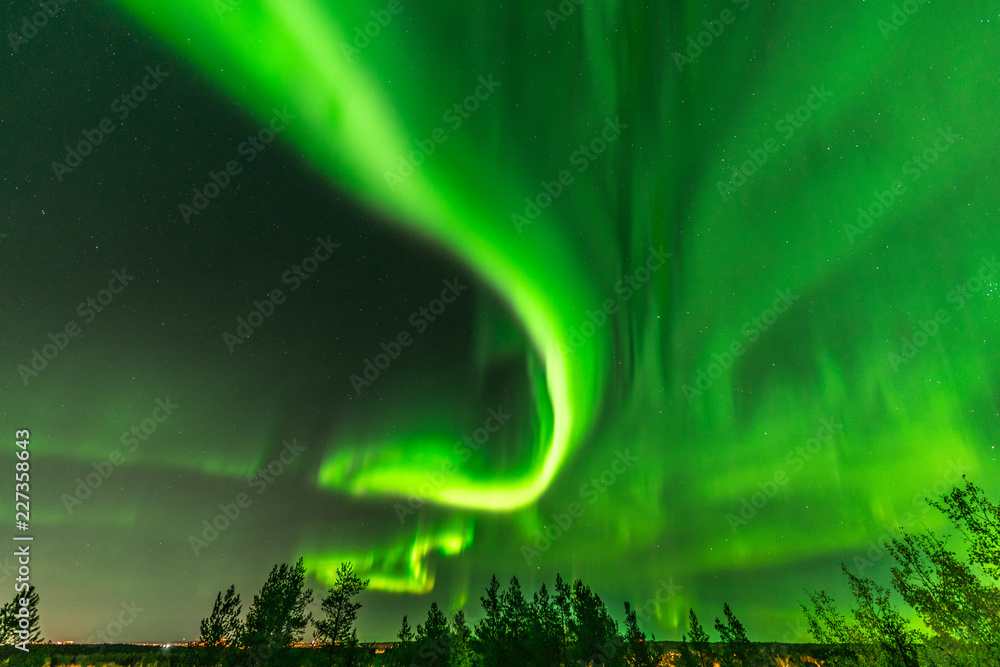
<point x="700" y="642"/>
<point x="736" y="648"/>
<point x="220" y="632"/>
<point x="405" y="634"/>
<point x="637" y="651"/>
<point x="339" y="609"/>
<point x="223" y="626"/>
<point x="277" y="617"/>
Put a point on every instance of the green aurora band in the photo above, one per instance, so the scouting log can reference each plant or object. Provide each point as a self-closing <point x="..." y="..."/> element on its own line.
<point x="854" y="293"/>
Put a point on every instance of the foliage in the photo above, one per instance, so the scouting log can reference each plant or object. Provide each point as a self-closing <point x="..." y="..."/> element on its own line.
<point x="595" y="632"/>
<point x="10" y="630"/>
<point x="702" y="655"/>
<point x="954" y="589"/>
<point x="735" y="649"/>
<point x="403" y="653"/>
<point x="563" y="603"/>
<point x="434" y="639"/>
<point x="637" y="651"/>
<point x="339" y="613"/>
<point x="277" y="617"/>
<point x="223" y="626"/>
<point x="547" y="633"/>
<point x="881" y="627"/>
<point x="491" y="630"/>
<point x="462" y="653"/>
<point x="956" y="597"/>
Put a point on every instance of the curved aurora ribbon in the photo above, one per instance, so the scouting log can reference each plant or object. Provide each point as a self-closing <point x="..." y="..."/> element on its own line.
<point x="785" y="227"/>
<point x="289" y="52"/>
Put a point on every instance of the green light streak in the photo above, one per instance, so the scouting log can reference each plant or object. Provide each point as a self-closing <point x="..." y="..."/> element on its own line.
<point x="349" y="129"/>
<point x="398" y="568"/>
<point x="827" y="357"/>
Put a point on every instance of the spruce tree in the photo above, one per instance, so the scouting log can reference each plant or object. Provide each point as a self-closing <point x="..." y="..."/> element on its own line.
<point x="563" y="602"/>
<point x="547" y="631"/>
<point x="434" y="640"/>
<point x="517" y="626"/>
<point x="462" y="654"/>
<point x="402" y="654"/>
<point x="491" y="630"/>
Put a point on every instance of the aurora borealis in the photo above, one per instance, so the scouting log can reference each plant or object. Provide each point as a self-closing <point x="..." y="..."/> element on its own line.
<point x="689" y="297"/>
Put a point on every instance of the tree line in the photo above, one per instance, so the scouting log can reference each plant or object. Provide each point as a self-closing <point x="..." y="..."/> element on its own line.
<point x="277" y="619"/>
<point x="949" y="584"/>
<point x="951" y="589"/>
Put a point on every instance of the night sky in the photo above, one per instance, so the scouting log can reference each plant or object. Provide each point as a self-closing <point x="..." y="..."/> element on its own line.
<point x="714" y="314"/>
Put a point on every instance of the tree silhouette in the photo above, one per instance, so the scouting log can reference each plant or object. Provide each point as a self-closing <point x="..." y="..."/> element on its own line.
<point x="11" y="630"/>
<point x="699" y="642"/>
<point x="546" y="634"/>
<point x="637" y="651"/>
<point x="979" y="522"/>
<point x="877" y="635"/>
<point x="563" y="602"/>
<point x="958" y="601"/>
<point x="517" y="626"/>
<point x="829" y="628"/>
<point x="221" y="630"/>
<point x="405" y="634"/>
<point x="340" y="611"/>
<point x="736" y="648"/>
<point x="956" y="596"/>
<point x="223" y="626"/>
<point x="434" y="639"/>
<point x="955" y="592"/>
<point x="403" y="653"/>
<point x="596" y="633"/>
<point x="491" y="630"/>
<point x="277" y="617"/>
<point x="462" y="654"/>
<point x="881" y="626"/>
